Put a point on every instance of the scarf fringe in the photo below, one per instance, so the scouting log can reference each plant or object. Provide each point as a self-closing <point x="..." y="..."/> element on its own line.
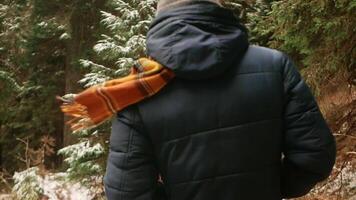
<point x="147" y="78"/>
<point x="80" y="118"/>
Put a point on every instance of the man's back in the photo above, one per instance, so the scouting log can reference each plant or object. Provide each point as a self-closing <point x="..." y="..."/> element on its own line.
<point x="218" y="130"/>
<point x="221" y="137"/>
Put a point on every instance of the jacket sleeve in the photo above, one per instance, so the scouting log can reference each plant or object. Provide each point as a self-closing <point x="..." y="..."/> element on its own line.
<point x="308" y="144"/>
<point x="131" y="173"/>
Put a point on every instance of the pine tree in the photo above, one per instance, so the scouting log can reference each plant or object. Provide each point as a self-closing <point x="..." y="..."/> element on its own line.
<point x="12" y="46"/>
<point x="27" y="184"/>
<point x="32" y="56"/>
<point x="126" y="23"/>
<point x="125" y="26"/>
<point x="260" y="32"/>
<point x="318" y="34"/>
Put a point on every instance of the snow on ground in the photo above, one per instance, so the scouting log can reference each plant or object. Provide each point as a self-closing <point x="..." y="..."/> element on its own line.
<point x="56" y="188"/>
<point x="341" y="184"/>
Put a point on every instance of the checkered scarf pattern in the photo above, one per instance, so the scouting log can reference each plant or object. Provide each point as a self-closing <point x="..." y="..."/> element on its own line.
<point x="98" y="103"/>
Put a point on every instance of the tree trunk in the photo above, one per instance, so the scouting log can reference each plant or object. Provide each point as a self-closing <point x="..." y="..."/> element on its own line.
<point x="84" y="23"/>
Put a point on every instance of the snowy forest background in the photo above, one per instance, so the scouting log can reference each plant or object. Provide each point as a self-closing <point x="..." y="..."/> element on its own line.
<point x="58" y="47"/>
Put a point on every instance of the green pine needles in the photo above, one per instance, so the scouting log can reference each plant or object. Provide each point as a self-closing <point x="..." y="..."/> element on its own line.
<point x="125" y="26"/>
<point x="318" y="33"/>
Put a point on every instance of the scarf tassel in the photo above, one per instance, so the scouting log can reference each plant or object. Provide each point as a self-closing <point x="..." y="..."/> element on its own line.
<point x="78" y="112"/>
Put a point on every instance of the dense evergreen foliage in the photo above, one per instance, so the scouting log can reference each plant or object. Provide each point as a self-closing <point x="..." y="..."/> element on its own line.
<point x="32" y="55"/>
<point x="319" y="34"/>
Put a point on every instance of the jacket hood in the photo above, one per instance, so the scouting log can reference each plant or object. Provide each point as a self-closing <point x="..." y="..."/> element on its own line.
<point x="197" y="41"/>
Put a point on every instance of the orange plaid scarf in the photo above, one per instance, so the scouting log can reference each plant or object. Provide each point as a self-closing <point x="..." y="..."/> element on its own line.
<point x="98" y="103"/>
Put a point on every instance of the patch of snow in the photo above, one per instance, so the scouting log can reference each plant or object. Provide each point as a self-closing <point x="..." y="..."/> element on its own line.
<point x="341" y="184"/>
<point x="6" y="197"/>
<point x="56" y="188"/>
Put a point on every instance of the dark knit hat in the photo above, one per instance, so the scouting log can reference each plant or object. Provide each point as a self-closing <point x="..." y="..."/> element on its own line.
<point x="168" y="4"/>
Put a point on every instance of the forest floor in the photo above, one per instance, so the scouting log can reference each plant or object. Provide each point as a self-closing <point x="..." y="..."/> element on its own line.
<point x="56" y="188"/>
<point x="338" y="104"/>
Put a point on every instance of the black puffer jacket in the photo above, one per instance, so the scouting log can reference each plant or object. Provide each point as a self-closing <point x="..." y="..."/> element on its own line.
<point x="238" y="122"/>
